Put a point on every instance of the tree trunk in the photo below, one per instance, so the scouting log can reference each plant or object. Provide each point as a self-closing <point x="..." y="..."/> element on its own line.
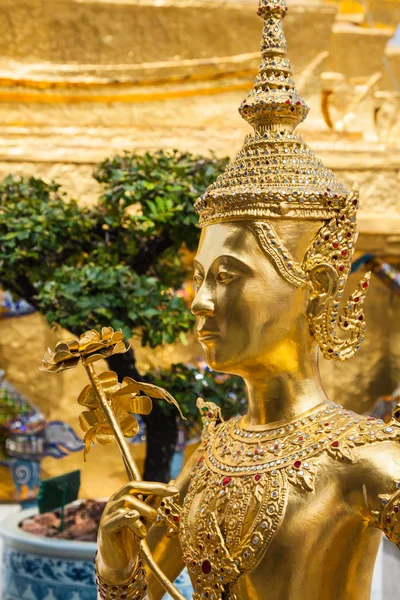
<point x="162" y="435"/>
<point x="161" y="427"/>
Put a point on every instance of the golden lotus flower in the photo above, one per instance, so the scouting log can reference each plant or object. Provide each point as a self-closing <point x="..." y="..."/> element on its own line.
<point x="92" y="346"/>
<point x="125" y="399"/>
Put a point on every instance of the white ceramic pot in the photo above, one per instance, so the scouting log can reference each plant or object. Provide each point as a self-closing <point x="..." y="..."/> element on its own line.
<point x="39" y="568"/>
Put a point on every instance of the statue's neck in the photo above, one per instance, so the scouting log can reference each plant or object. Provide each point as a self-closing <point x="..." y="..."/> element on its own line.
<point x="283" y="393"/>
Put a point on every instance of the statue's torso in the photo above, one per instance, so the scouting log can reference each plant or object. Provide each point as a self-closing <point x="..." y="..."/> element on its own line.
<point x="274" y="515"/>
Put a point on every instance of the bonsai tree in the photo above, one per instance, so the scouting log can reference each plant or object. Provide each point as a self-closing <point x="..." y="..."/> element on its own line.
<point x="116" y="263"/>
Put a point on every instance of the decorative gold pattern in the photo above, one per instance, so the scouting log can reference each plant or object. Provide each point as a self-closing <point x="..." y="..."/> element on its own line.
<point x="135" y="589"/>
<point x="388" y="518"/>
<point x="244" y="472"/>
<point x="334" y="245"/>
<point x="286" y="265"/>
<point x="169" y="515"/>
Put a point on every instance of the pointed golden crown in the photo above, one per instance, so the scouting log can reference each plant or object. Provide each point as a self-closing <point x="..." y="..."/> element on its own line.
<point x="275" y="173"/>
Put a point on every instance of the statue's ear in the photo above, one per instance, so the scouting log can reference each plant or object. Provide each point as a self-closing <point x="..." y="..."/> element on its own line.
<point x="324" y="281"/>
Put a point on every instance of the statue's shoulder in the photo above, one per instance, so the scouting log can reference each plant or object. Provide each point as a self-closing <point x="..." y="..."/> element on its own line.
<point x="355" y="437"/>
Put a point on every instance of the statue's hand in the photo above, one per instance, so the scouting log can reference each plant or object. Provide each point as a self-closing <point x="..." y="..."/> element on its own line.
<point x="126" y="519"/>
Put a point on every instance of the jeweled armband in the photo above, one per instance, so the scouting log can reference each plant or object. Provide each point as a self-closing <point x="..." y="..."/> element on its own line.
<point x="388" y="518"/>
<point x="169" y="514"/>
<point x="135" y="589"/>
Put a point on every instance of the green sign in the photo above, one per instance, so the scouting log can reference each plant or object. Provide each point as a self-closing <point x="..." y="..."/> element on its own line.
<point x="58" y="491"/>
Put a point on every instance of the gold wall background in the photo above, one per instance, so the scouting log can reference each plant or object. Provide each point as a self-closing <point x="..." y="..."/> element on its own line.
<point x="83" y="79"/>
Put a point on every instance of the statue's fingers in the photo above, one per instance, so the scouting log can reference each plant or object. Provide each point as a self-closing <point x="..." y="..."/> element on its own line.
<point x="155" y="501"/>
<point x="127" y="518"/>
<point x="146" y="488"/>
<point x="133" y="503"/>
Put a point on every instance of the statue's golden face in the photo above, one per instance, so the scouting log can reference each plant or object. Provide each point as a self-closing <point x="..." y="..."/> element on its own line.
<point x="248" y="317"/>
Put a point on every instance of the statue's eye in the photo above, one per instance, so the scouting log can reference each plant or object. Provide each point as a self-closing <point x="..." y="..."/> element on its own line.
<point x="224" y="277"/>
<point x="197" y="279"/>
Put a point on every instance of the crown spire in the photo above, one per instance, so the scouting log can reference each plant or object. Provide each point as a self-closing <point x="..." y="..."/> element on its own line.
<point x="275" y="174"/>
<point x="274" y="103"/>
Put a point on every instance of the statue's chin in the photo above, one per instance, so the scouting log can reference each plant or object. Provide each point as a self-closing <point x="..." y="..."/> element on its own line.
<point x="217" y="359"/>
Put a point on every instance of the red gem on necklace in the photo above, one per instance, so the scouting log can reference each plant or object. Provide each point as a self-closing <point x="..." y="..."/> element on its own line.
<point x="206" y="567"/>
<point x="335" y="444"/>
<point x="226" y="480"/>
<point x="297" y="464"/>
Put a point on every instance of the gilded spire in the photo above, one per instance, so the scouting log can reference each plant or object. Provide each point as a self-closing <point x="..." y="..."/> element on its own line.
<point x="274" y="102"/>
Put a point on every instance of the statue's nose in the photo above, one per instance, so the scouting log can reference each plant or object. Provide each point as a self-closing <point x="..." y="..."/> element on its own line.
<point x="203" y="304"/>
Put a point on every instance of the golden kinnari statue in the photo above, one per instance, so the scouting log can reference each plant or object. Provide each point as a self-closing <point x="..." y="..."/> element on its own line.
<point x="290" y="500"/>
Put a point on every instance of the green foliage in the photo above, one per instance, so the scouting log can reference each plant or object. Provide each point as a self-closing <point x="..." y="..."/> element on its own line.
<point x="186" y="383"/>
<point x="115" y="263"/>
<point x="164" y="185"/>
<point x="95" y="295"/>
<point x="38" y="230"/>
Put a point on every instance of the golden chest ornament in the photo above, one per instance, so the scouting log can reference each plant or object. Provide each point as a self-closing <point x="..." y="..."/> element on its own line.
<point x="240" y="487"/>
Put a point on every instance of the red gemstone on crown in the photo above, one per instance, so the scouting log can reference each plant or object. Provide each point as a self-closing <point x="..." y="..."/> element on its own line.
<point x="297" y="464"/>
<point x="396" y="509"/>
<point x="200" y="460"/>
<point x="356" y="299"/>
<point x="206" y="567"/>
<point x="344" y="252"/>
<point x="176" y="519"/>
<point x="335" y="444"/>
<point x="345" y="324"/>
<point x="257" y="477"/>
<point x="335" y="245"/>
<point x="361" y="318"/>
<point x="365" y="284"/>
<point x="226" y="480"/>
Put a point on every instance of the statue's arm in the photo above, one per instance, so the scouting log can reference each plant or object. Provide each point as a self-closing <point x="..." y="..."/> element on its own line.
<point x="381" y="487"/>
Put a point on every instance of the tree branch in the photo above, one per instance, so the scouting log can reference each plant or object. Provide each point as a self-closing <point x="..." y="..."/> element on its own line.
<point x="148" y="255"/>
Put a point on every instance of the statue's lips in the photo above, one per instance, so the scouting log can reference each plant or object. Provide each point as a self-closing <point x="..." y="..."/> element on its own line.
<point x="204" y="336"/>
